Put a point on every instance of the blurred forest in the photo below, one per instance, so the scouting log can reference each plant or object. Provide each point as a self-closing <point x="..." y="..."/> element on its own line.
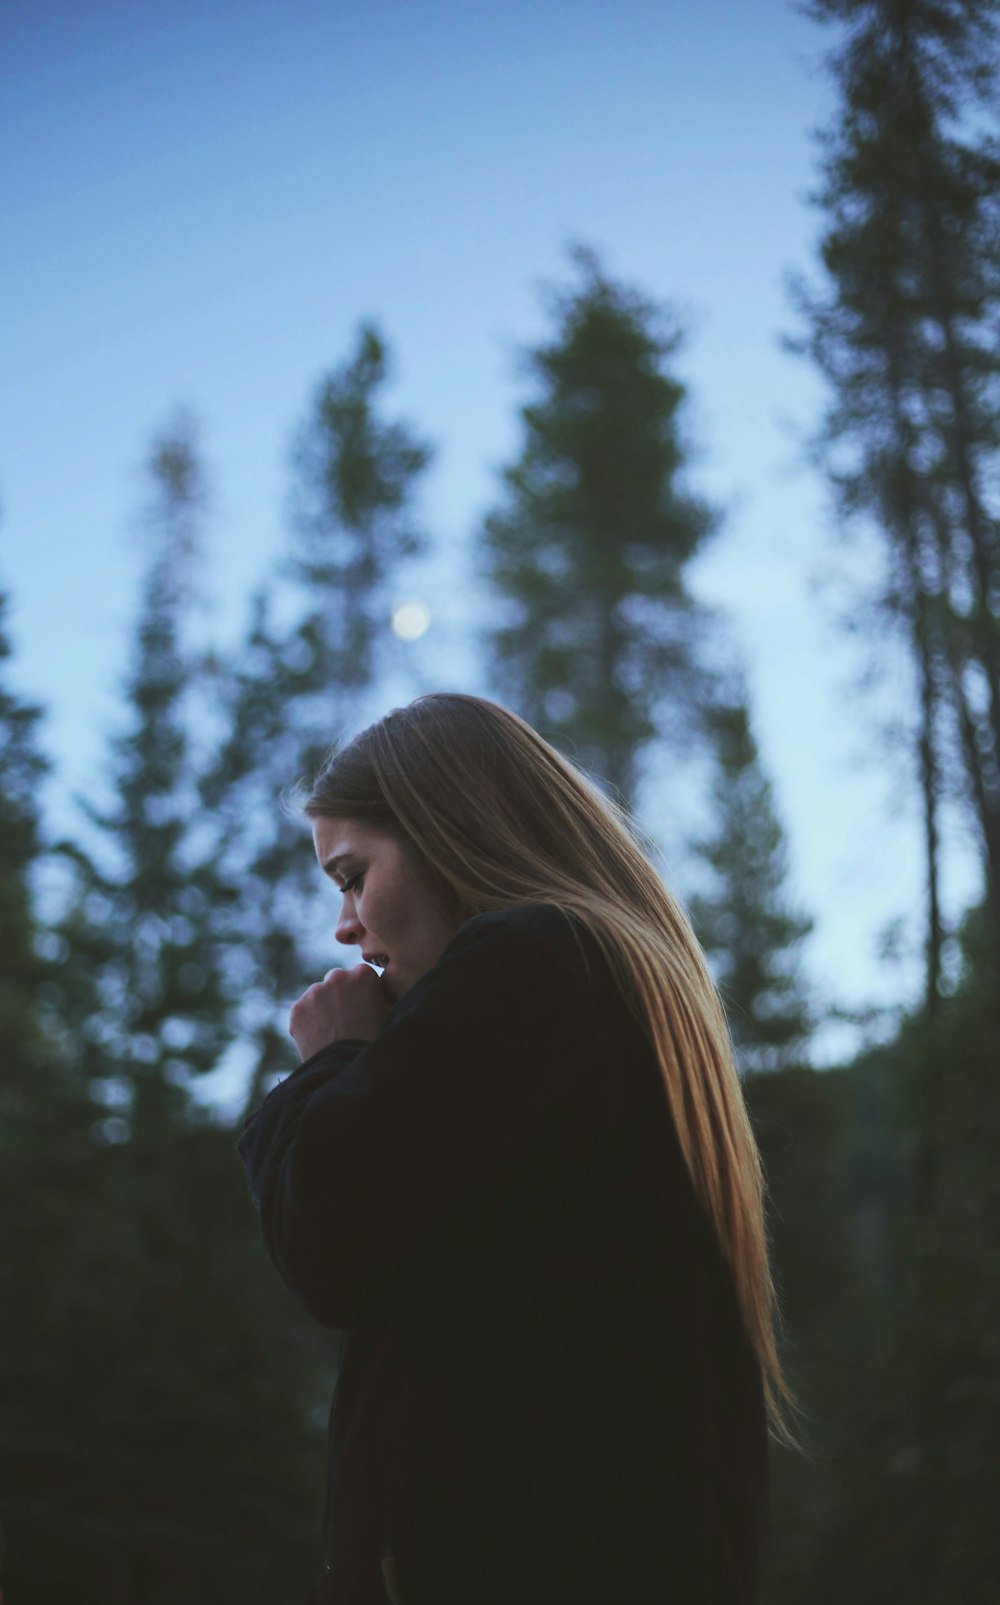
<point x="163" y="1403"/>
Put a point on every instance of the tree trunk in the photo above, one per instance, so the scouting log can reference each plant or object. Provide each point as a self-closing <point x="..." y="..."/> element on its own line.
<point x="981" y="736"/>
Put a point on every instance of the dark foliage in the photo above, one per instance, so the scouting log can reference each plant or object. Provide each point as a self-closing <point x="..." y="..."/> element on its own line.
<point x="884" y="1210"/>
<point x="744" y="919"/>
<point x="597" y="644"/>
<point x="317" y="638"/>
<point x="904" y="328"/>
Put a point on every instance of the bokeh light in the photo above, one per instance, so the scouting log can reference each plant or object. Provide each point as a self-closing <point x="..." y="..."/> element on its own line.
<point x="411" y="619"/>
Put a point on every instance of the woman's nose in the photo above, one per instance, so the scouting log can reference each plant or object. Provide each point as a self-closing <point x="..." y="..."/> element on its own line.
<point x="348" y="928"/>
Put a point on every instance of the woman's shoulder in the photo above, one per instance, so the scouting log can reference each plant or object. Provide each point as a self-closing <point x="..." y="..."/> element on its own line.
<point x="534" y="928"/>
<point x="544" y="945"/>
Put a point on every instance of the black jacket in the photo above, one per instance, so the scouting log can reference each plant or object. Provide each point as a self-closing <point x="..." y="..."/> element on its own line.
<point x="544" y="1393"/>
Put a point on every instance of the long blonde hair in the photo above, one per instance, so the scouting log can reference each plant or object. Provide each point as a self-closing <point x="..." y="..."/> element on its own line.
<point x="505" y="819"/>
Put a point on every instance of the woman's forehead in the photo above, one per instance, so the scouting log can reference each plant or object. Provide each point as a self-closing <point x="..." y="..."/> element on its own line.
<point x="337" y="839"/>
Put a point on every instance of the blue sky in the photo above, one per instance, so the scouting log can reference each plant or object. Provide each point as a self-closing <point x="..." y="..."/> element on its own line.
<point x="201" y="203"/>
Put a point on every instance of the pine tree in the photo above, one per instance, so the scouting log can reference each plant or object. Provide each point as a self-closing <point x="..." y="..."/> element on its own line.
<point x="597" y="640"/>
<point x="904" y="331"/>
<point x="142" y="987"/>
<point x="22" y="772"/>
<point x="355" y="481"/>
<point x="149" y="1447"/>
<point x="744" y="921"/>
<point x="45" y="1119"/>
<point x="318" y="638"/>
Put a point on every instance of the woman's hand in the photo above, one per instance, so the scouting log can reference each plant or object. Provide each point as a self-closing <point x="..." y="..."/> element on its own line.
<point x="346" y="1004"/>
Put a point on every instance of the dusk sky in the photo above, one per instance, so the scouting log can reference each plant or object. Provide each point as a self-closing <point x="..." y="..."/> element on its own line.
<point x="201" y="202"/>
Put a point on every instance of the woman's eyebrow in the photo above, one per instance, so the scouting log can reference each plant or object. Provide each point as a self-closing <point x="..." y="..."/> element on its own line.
<point x="329" y="865"/>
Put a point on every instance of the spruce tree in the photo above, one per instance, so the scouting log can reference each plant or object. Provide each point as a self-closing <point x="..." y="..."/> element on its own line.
<point x="356" y="474"/>
<point x="597" y="639"/>
<point x="318" y="638"/>
<point x="45" y="1121"/>
<point x="903" y="327"/>
<point x="149" y="1447"/>
<point x="22" y="772"/>
<point x="142" y="982"/>
<point x="744" y="920"/>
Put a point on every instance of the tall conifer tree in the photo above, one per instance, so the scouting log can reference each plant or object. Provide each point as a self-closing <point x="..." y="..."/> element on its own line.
<point x="319" y="636"/>
<point x="148" y="1447"/>
<point x="597" y="639"/>
<point x="356" y="474"/>
<point x="744" y="920"/>
<point x="142" y="982"/>
<point x="45" y="1117"/>
<point x="22" y="771"/>
<point x="904" y="328"/>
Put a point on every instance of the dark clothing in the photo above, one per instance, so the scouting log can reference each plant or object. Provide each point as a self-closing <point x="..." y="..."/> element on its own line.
<point x="545" y="1395"/>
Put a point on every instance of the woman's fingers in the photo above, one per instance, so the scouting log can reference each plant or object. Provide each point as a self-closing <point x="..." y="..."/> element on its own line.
<point x="345" y="1004"/>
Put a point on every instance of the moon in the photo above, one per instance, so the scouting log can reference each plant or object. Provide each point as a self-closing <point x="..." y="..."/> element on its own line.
<point x="410" y="619"/>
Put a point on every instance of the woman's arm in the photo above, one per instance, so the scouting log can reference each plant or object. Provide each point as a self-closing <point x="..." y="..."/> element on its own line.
<point x="383" y="1171"/>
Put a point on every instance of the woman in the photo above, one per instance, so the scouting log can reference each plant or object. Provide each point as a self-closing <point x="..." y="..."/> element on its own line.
<point x="516" y="1170"/>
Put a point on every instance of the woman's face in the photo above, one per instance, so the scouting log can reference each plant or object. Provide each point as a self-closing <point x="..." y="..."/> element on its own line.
<point x="395" y="908"/>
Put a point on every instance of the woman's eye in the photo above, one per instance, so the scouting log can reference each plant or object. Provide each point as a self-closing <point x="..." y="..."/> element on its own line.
<point x="352" y="883"/>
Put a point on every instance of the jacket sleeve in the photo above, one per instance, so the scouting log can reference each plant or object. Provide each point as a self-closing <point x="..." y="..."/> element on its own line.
<point x="384" y="1171"/>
